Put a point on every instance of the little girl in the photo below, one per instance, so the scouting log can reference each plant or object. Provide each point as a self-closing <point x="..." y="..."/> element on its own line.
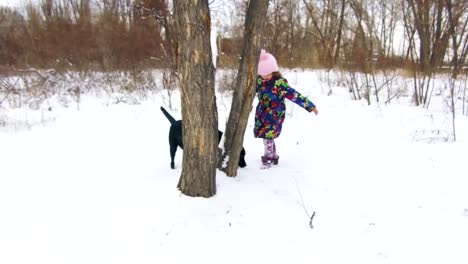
<point x="272" y="89"/>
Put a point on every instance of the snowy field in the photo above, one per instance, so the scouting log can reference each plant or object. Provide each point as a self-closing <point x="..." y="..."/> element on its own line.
<point x="94" y="186"/>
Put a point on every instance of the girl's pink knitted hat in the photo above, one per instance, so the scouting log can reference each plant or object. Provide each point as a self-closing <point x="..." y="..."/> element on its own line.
<point x="267" y="63"/>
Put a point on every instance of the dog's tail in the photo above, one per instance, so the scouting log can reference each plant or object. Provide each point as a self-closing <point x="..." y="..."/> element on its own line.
<point x="169" y="117"/>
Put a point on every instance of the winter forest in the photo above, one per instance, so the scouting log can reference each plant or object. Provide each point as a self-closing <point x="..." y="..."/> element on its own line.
<point x="377" y="176"/>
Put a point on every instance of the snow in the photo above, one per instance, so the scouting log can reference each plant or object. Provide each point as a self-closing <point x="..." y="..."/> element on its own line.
<point x="95" y="186"/>
<point x="214" y="45"/>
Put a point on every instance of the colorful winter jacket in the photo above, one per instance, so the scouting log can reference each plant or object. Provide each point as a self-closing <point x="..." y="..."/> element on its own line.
<point x="271" y="109"/>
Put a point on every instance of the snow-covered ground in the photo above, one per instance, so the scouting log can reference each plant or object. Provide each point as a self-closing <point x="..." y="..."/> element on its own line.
<point x="95" y="186"/>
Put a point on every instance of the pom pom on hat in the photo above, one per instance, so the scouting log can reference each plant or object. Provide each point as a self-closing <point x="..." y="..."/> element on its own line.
<point x="267" y="63"/>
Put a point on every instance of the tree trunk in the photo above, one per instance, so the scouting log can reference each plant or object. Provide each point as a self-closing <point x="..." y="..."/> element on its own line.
<point x="199" y="113"/>
<point x="245" y="87"/>
<point x="340" y="30"/>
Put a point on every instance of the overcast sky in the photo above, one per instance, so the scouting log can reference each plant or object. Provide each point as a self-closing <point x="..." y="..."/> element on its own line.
<point x="11" y="2"/>
<point x="221" y="10"/>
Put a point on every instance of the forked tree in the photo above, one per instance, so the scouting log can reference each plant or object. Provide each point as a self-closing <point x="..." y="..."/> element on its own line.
<point x="196" y="81"/>
<point x="430" y="22"/>
<point x="245" y="87"/>
<point x="328" y="22"/>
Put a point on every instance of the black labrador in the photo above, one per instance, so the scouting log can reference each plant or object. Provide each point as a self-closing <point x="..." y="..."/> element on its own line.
<point x="175" y="139"/>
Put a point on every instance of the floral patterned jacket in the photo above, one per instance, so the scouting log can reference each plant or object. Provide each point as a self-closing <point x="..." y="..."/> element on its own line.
<point x="271" y="109"/>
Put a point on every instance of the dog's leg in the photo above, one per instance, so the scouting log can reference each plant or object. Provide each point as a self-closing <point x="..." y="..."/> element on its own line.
<point x="173" y="152"/>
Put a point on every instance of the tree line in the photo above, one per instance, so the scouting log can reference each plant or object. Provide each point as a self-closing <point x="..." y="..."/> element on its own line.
<point x="86" y="34"/>
<point x="352" y="34"/>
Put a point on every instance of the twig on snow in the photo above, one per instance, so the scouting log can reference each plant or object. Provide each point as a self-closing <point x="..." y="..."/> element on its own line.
<point x="311" y="217"/>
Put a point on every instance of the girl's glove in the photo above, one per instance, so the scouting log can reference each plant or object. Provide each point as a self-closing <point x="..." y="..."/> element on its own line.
<point x="315" y="111"/>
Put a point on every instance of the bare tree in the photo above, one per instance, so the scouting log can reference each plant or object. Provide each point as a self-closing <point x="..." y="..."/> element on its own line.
<point x="328" y="20"/>
<point x="459" y="35"/>
<point x="429" y="19"/>
<point x="245" y="87"/>
<point x="196" y="80"/>
<point x="388" y="15"/>
<point x="328" y="26"/>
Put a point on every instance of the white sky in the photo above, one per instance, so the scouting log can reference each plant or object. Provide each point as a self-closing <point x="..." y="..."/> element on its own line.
<point x="14" y="3"/>
<point x="94" y="186"/>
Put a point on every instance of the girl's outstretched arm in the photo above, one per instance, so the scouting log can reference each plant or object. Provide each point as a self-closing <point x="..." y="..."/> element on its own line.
<point x="293" y="95"/>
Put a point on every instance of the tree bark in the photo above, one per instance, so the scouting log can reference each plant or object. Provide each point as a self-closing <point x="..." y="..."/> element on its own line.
<point x="199" y="113"/>
<point x="245" y="87"/>
<point x="340" y="30"/>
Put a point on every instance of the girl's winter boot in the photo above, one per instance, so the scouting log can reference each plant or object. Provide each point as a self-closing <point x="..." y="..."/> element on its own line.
<point x="275" y="160"/>
<point x="266" y="161"/>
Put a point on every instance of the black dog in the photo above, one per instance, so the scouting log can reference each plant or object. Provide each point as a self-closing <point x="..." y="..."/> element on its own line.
<point x="175" y="139"/>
